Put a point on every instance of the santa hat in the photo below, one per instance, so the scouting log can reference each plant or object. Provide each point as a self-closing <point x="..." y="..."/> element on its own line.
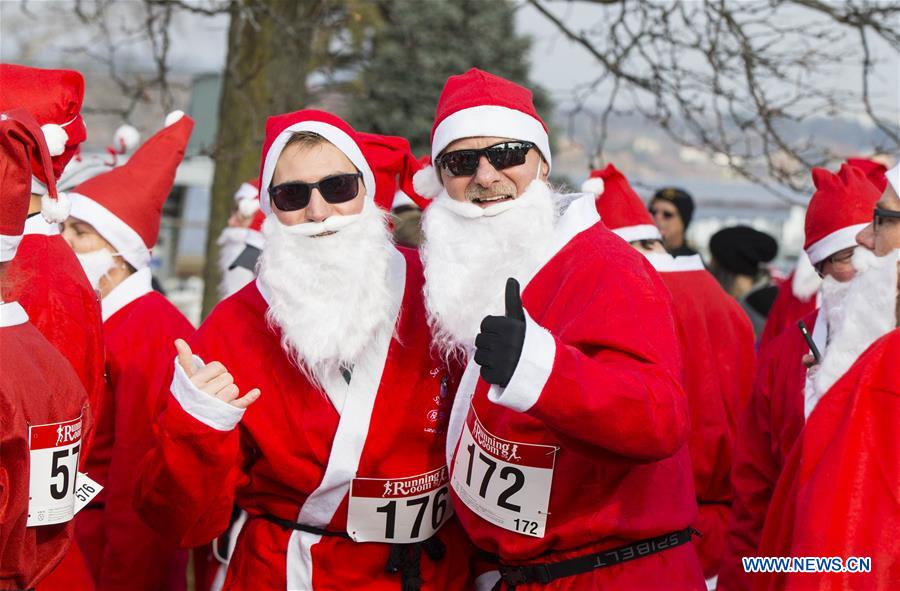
<point x="394" y="165"/>
<point x="620" y="208"/>
<point x="21" y="143"/>
<point x="53" y="97"/>
<point x="83" y="167"/>
<point x="247" y="200"/>
<point x="279" y="130"/>
<point x="125" y="204"/>
<point x="875" y="171"/>
<point x="480" y="104"/>
<point x="841" y="207"/>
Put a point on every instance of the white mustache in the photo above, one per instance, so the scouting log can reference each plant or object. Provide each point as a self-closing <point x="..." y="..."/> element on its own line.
<point x="334" y="223"/>
<point x="469" y="210"/>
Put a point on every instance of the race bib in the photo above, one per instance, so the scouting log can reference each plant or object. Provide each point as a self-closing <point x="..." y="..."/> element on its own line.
<point x="504" y="482"/>
<point x="398" y="510"/>
<point x="54" y="451"/>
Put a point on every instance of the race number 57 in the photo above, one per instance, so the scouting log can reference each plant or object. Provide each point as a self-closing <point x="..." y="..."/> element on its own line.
<point x="53" y="468"/>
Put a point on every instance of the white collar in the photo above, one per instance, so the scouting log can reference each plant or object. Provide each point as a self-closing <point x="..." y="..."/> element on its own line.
<point x="134" y="286"/>
<point x="12" y="314"/>
<point x="663" y="262"/>
<point x="37" y="225"/>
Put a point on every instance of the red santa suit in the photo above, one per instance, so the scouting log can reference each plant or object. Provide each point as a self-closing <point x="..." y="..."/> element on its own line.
<point x="314" y="475"/>
<point x="717" y="347"/>
<point x="139" y="328"/>
<point x="838" y="493"/>
<point x="44" y="410"/>
<point x="796" y="298"/>
<point x="840" y="208"/>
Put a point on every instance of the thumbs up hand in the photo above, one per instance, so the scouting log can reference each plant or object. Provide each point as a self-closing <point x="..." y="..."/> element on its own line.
<point x="499" y="344"/>
<point x="213" y="379"/>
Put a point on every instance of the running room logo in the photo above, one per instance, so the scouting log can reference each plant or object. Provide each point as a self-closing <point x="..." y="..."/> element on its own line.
<point x="437" y="417"/>
<point x="66" y="434"/>
<point x="500" y="448"/>
<point x="416" y="485"/>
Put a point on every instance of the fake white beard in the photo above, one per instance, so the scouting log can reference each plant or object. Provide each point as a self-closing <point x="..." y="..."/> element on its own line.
<point x="834" y="297"/>
<point x="232" y="243"/>
<point x="469" y="253"/>
<point x="329" y="295"/>
<point x="96" y="264"/>
<point x="869" y="312"/>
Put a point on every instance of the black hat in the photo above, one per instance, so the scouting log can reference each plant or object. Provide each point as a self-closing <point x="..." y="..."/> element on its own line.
<point x="741" y="249"/>
<point x="682" y="201"/>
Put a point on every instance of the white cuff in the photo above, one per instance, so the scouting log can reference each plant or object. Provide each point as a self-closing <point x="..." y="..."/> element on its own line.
<point x="532" y="372"/>
<point x="487" y="580"/>
<point x="207" y="409"/>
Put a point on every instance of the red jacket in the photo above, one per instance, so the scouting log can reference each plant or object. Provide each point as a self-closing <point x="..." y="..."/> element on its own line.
<point x="786" y="311"/>
<point x="838" y="495"/>
<point x="596" y="398"/>
<point x="37" y="387"/>
<point x="768" y="430"/>
<point x="293" y="456"/>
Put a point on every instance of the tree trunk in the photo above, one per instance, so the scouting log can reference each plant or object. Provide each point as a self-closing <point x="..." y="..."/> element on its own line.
<point x="269" y="57"/>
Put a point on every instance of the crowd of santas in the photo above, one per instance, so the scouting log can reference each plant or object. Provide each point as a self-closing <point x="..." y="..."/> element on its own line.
<point x="538" y="397"/>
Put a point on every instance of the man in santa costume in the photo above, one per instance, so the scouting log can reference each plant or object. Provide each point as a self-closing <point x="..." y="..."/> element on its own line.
<point x="783" y="395"/>
<point x="837" y="496"/>
<point x="566" y="443"/>
<point x="45" y="277"/>
<point x="113" y="225"/>
<point x="331" y="348"/>
<point x="44" y="409"/>
<point x="241" y="240"/>
<point x="798" y="295"/>
<point x="716" y="340"/>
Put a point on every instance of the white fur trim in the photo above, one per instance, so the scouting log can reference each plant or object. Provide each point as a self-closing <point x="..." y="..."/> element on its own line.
<point x="134" y="286"/>
<point x="532" y="372"/>
<point x="336" y="136"/>
<point x="663" y="262"/>
<point x="401" y="199"/>
<point x="55" y="211"/>
<point x="56" y="138"/>
<point x="8" y="247"/>
<point x="37" y="226"/>
<point x="893" y="177"/>
<point x="123" y="237"/>
<point x="639" y="232"/>
<point x="207" y="409"/>
<point x="246" y="191"/>
<point x="12" y="314"/>
<point x="427" y="182"/>
<point x="255" y="238"/>
<point x="248" y="207"/>
<point x="838" y="240"/>
<point x="174" y="117"/>
<point x="490" y="121"/>
<point x="126" y="138"/>
<point x="594" y="185"/>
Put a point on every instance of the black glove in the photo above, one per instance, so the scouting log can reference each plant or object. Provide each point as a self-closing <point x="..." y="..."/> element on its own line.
<point x="499" y="344"/>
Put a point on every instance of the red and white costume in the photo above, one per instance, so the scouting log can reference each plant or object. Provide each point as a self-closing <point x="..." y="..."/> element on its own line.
<point x="44" y="409"/>
<point x="139" y="327"/>
<point x="300" y="450"/>
<point x="716" y="340"/>
<point x="781" y="400"/>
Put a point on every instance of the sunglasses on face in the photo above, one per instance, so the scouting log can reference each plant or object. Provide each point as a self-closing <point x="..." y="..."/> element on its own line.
<point x="338" y="188"/>
<point x="881" y="216"/>
<point x="501" y="156"/>
<point x="667" y="215"/>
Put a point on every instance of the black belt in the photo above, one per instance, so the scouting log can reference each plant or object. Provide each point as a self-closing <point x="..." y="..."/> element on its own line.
<point x="550" y="571"/>
<point x="403" y="558"/>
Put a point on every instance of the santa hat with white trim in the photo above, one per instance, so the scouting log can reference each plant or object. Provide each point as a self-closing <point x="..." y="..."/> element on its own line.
<point x="620" y="208"/>
<point x="125" y="204"/>
<point x="394" y="165"/>
<point x="841" y="207"/>
<point x="54" y="98"/>
<point x="480" y="104"/>
<point x="246" y="198"/>
<point x="21" y="144"/>
<point x="279" y="130"/>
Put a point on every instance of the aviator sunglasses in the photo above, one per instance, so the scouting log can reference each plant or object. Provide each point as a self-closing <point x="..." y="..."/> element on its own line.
<point x="465" y="162"/>
<point x="338" y="188"/>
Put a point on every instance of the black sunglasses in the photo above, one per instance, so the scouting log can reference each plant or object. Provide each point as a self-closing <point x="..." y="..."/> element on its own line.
<point x="880" y="216"/>
<point x="338" y="188"/>
<point x="668" y="215"/>
<point x="465" y="162"/>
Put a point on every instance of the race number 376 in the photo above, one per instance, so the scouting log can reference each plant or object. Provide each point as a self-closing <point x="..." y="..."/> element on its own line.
<point x="53" y="449"/>
<point x="504" y="482"/>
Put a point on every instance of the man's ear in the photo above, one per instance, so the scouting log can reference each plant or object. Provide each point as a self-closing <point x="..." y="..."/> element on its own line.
<point x="545" y="169"/>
